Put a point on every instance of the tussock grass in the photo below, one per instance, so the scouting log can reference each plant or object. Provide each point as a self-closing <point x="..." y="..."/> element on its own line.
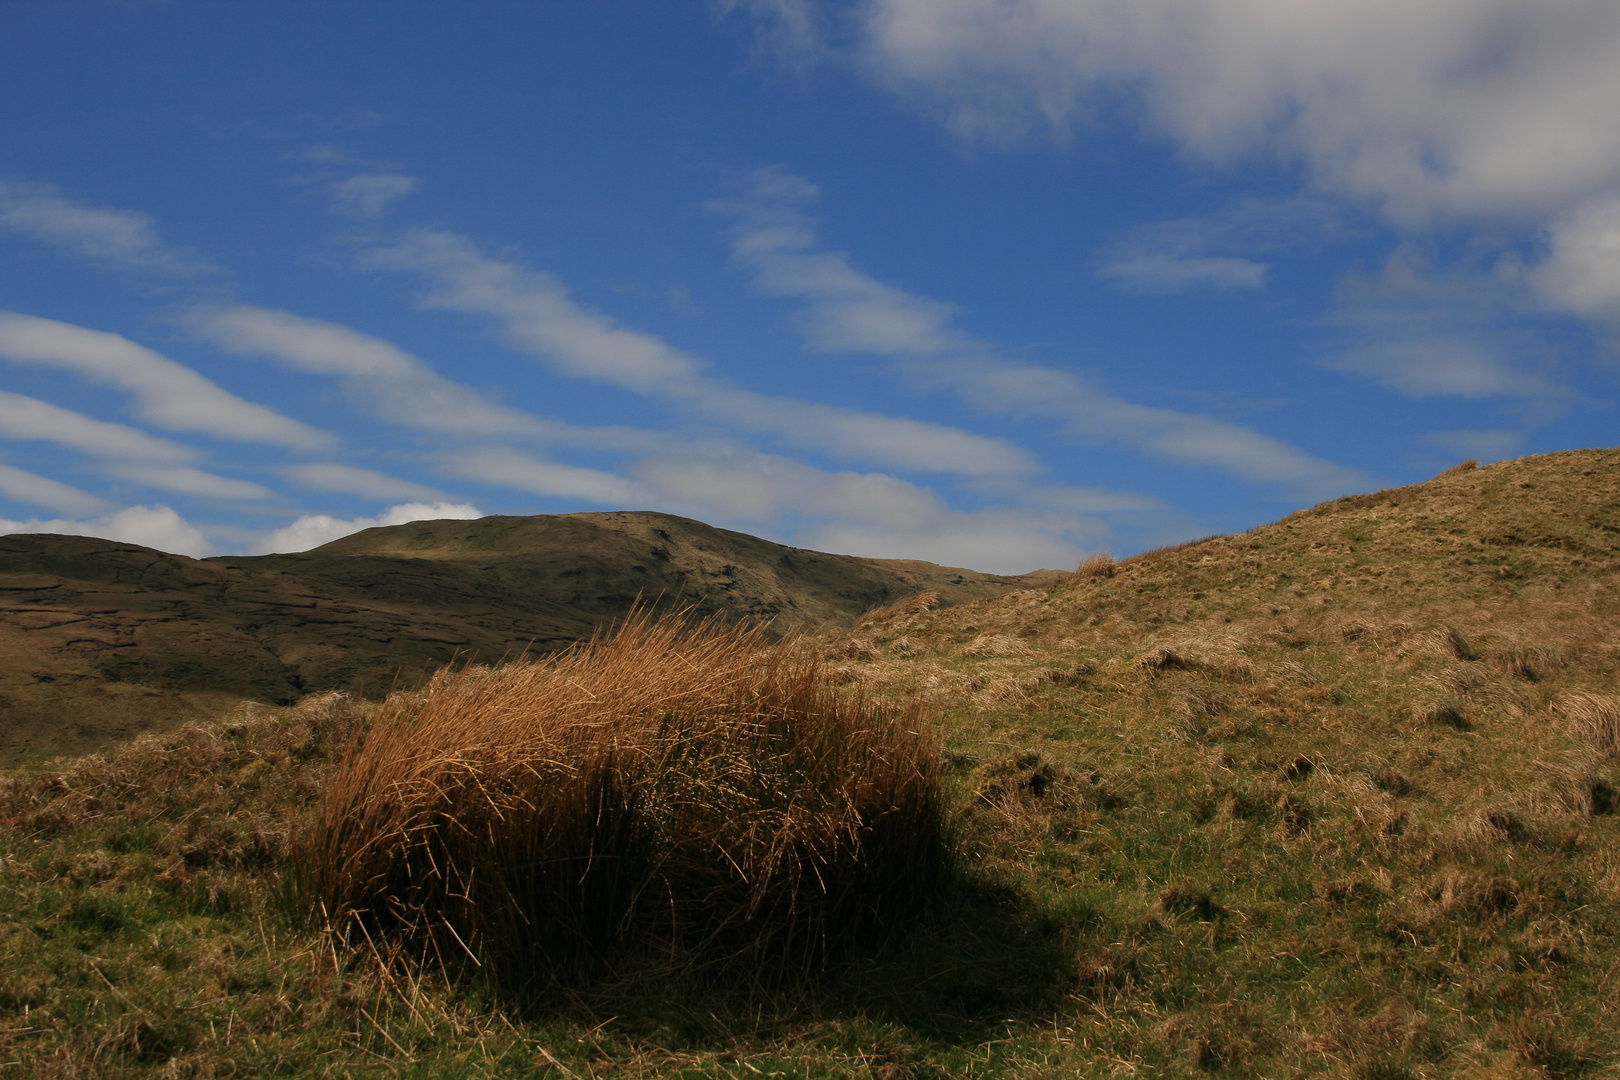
<point x="673" y="792"/>
<point x="1595" y="715"/>
<point x="1098" y="565"/>
<point x="906" y="605"/>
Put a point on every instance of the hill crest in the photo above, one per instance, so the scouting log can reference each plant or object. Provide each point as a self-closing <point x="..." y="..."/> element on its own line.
<point x="104" y="640"/>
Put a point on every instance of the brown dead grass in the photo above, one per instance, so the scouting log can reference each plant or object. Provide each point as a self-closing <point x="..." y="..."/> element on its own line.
<point x="1595" y="715"/>
<point x="679" y="793"/>
<point x="1100" y="565"/>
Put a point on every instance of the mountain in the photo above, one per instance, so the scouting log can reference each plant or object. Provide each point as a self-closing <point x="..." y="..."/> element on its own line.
<point x="103" y="639"/>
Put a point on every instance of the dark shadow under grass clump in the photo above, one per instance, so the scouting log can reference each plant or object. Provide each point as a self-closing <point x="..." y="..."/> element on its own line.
<point x="686" y="801"/>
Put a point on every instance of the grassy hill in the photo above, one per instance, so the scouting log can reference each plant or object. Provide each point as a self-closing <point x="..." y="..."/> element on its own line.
<point x="1335" y="797"/>
<point x="103" y="640"/>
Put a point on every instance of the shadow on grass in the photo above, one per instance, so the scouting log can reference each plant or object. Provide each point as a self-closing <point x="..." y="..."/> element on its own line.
<point x="983" y="955"/>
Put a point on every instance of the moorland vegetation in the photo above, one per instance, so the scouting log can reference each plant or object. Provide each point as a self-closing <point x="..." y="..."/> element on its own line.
<point x="1336" y="797"/>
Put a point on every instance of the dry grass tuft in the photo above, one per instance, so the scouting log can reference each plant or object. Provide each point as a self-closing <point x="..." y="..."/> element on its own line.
<point x="1597" y="716"/>
<point x="1099" y="565"/>
<point x="1492" y="825"/>
<point x="906" y="605"/>
<point x="673" y="790"/>
<point x="1529" y="661"/>
<point x="1442" y="713"/>
<point x="986" y="645"/>
<point x="1461" y="467"/>
<point x="1446" y="642"/>
<point x="1164" y="659"/>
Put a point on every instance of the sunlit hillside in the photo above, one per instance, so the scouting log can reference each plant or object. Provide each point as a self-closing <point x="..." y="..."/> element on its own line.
<point x="1339" y="796"/>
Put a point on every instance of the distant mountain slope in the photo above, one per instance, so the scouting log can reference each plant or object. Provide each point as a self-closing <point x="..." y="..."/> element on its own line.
<point x="101" y="640"/>
<point x="1525" y="550"/>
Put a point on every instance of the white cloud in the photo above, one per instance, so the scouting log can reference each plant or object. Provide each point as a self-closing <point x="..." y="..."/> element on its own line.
<point x="849" y="310"/>
<point x="328" y="476"/>
<point x="27" y="487"/>
<point x="120" y="237"/>
<point x="1582" y="271"/>
<point x="1157" y="273"/>
<point x="358" y="186"/>
<point x="387" y="381"/>
<point x="313" y="530"/>
<point x="154" y="527"/>
<point x="1218" y="249"/>
<point x="1424" y="332"/>
<point x="1451" y="365"/>
<point x="1472" y="106"/>
<point x="519" y="471"/>
<point x="846" y="309"/>
<point x="26" y="418"/>
<point x="166" y="393"/>
<point x="1090" y="415"/>
<point x="737" y="485"/>
<point x="124" y="451"/>
<point x="539" y="318"/>
<point x="369" y="194"/>
<point x="186" y="480"/>
<point x="892" y="441"/>
<point x="867" y="514"/>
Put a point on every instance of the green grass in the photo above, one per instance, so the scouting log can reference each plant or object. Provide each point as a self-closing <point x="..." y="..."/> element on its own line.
<point x="1206" y="825"/>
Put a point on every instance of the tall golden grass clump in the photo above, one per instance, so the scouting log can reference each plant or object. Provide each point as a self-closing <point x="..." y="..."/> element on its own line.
<point x="1100" y="564"/>
<point x="674" y="789"/>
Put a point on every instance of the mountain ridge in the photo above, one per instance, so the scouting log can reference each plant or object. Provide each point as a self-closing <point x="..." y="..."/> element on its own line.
<point x="107" y="639"/>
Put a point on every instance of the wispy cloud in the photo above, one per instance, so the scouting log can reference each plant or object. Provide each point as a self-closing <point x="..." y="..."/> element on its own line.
<point x="27" y="418"/>
<point x="187" y="480"/>
<point x="870" y="514"/>
<point x="520" y="471"/>
<point x="1468" y="107"/>
<point x="154" y="527"/>
<point x="25" y="487"/>
<point x="1428" y="331"/>
<point x="1164" y="272"/>
<point x="370" y="194"/>
<point x="313" y="530"/>
<point x="537" y="316"/>
<point x="122" y="238"/>
<point x="1457" y="363"/>
<point x="845" y="309"/>
<point x="357" y="186"/>
<point x="123" y="451"/>
<point x="848" y="310"/>
<point x="167" y="394"/>
<point x="793" y="31"/>
<point x="1091" y="415"/>
<point x="1226" y="249"/>
<point x="385" y="380"/>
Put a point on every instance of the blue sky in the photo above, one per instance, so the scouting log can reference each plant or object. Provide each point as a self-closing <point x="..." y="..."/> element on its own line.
<point x="992" y="283"/>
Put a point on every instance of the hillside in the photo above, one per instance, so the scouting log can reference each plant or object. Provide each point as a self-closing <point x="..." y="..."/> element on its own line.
<point x="103" y="640"/>
<point x="1334" y="796"/>
<point x="1339" y="796"/>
